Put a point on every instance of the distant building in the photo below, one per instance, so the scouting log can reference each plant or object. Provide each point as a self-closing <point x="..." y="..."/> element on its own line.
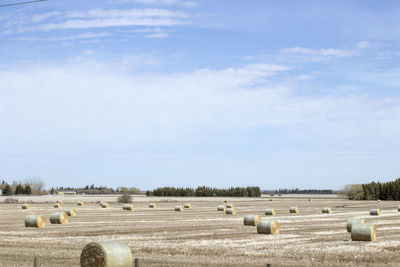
<point x="70" y="193"/>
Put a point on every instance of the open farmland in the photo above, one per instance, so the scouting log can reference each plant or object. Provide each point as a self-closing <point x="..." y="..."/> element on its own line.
<point x="203" y="236"/>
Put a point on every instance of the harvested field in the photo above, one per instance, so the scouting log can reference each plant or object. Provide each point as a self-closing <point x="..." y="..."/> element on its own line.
<point x="203" y="236"/>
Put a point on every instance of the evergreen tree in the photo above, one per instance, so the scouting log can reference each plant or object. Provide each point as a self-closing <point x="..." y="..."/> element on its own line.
<point x="28" y="189"/>
<point x="19" y="190"/>
<point x="7" y="190"/>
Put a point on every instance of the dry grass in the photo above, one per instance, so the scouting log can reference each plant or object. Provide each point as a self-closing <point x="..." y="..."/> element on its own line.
<point x="203" y="236"/>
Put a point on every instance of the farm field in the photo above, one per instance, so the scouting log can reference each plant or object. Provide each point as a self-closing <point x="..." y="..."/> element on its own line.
<point x="203" y="236"/>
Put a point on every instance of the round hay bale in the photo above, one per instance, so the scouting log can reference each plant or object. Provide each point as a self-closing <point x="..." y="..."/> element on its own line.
<point x="106" y="254"/>
<point x="251" y="220"/>
<point x="104" y="205"/>
<point x="34" y="220"/>
<point x="80" y="203"/>
<point x="128" y="207"/>
<point x="59" y="218"/>
<point x="378" y="200"/>
<point x="178" y="208"/>
<point x="221" y="208"/>
<point x="309" y="199"/>
<point x="294" y="210"/>
<point x="226" y="201"/>
<point x="60" y="201"/>
<point x="398" y="208"/>
<point x="230" y="206"/>
<point x="230" y="211"/>
<point x="152" y="205"/>
<point x="26" y="206"/>
<point x="363" y="232"/>
<point x="352" y="221"/>
<point x="270" y="212"/>
<point x="271" y="227"/>
<point x="327" y="210"/>
<point x="270" y="199"/>
<point x="187" y="206"/>
<point x="375" y="212"/>
<point x="70" y="212"/>
<point x="58" y="205"/>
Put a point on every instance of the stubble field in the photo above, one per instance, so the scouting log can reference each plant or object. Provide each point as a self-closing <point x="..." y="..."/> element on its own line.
<point x="203" y="236"/>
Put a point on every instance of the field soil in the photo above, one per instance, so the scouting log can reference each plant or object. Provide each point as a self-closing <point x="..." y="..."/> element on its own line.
<point x="203" y="236"/>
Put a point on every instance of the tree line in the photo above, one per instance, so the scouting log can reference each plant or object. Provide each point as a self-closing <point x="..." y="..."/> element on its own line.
<point x="34" y="186"/>
<point x="204" y="191"/>
<point x="94" y="190"/>
<point x="373" y="191"/>
<point x="298" y="191"/>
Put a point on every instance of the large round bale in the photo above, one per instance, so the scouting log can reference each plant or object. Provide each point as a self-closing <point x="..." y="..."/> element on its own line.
<point x="104" y="205"/>
<point x="152" y="205"/>
<point x="251" y="219"/>
<point x="268" y="227"/>
<point x="106" y="254"/>
<point x="363" y="232"/>
<point x="128" y="207"/>
<point x="230" y="206"/>
<point x="375" y="212"/>
<point x="178" y="208"/>
<point x="26" y="206"/>
<point x="80" y="203"/>
<point x="230" y="211"/>
<point x="310" y="199"/>
<point x="59" y="218"/>
<point x="326" y="210"/>
<point x="352" y="221"/>
<point x="34" y="220"/>
<point x="270" y="212"/>
<point x="294" y="210"/>
<point x="187" y="206"/>
<point x="226" y="201"/>
<point x="398" y="208"/>
<point x="60" y="201"/>
<point x="221" y="208"/>
<point x="70" y="212"/>
<point x="57" y="205"/>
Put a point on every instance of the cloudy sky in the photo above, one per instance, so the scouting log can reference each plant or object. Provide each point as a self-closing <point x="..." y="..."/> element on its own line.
<point x="149" y="93"/>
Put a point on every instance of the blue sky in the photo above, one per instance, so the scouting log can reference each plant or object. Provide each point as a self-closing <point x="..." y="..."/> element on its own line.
<point x="149" y="93"/>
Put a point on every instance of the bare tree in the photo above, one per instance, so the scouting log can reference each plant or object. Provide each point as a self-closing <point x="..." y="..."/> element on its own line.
<point x="36" y="184"/>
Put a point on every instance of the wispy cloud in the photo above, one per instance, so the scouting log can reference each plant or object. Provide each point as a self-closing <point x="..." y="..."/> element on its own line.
<point x="157" y="2"/>
<point x="328" y="52"/>
<point x="86" y="35"/>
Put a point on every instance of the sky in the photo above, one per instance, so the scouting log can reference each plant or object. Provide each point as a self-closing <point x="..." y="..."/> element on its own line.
<point x="150" y="93"/>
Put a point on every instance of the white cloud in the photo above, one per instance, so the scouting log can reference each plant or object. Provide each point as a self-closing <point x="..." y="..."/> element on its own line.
<point x="86" y="35"/>
<point x="157" y="2"/>
<point x="157" y="35"/>
<point x="89" y="52"/>
<point x="363" y="44"/>
<point x="319" y="54"/>
<point x="40" y="17"/>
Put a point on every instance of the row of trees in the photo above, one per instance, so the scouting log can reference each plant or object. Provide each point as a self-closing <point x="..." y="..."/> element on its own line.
<point x="204" y="191"/>
<point x="93" y="190"/>
<point x="373" y="191"/>
<point x="33" y="186"/>
<point x="298" y="191"/>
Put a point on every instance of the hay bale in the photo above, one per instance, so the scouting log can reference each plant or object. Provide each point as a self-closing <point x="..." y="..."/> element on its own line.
<point x="270" y="199"/>
<point x="104" y="205"/>
<point x="34" y="220"/>
<point x="378" y="200"/>
<point x="352" y="221"/>
<point x="251" y="220"/>
<point x="106" y="254"/>
<point x="187" y="206"/>
<point x="309" y="199"/>
<point x="222" y="207"/>
<point x="128" y="207"/>
<point x="58" y="205"/>
<point x="60" y="201"/>
<point x="230" y="206"/>
<point x="363" y="232"/>
<point x="80" y="203"/>
<point x="26" y="206"/>
<point x="226" y="201"/>
<point x="294" y="210"/>
<point x="230" y="211"/>
<point x="70" y="212"/>
<point x="398" y="208"/>
<point x="178" y="208"/>
<point x="152" y="205"/>
<point x="271" y="227"/>
<point x="326" y="210"/>
<point x="270" y="212"/>
<point x="375" y="212"/>
<point x="59" y="218"/>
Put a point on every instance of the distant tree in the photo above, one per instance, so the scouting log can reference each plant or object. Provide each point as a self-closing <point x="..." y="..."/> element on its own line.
<point x="353" y="191"/>
<point x="27" y="189"/>
<point x="19" y="189"/>
<point x="7" y="190"/>
<point x="125" y="198"/>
